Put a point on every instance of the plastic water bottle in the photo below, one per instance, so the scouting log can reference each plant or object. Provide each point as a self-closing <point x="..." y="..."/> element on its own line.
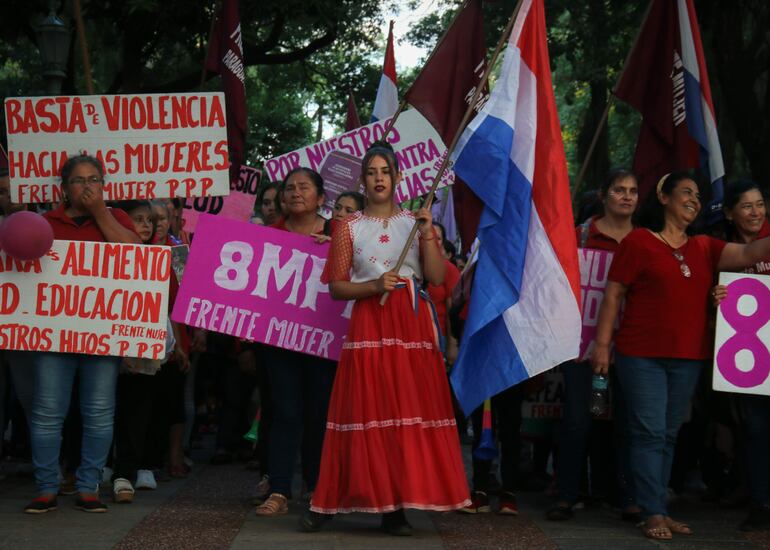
<point x="600" y="398"/>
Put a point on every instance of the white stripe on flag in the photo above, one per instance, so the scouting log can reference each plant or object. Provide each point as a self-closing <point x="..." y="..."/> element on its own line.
<point x="542" y="323"/>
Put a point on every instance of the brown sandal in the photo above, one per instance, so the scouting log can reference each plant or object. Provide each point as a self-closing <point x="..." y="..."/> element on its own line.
<point x="678" y="527"/>
<point x="275" y="505"/>
<point x="657" y="532"/>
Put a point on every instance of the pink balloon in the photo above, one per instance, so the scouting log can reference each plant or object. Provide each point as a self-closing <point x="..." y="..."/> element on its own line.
<point x="26" y="235"/>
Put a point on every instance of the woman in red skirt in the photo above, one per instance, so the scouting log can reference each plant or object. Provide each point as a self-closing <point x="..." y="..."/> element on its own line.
<point x="391" y="441"/>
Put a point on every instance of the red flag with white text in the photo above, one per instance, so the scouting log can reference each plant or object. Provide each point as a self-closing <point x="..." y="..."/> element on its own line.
<point x="442" y="91"/>
<point x="225" y="57"/>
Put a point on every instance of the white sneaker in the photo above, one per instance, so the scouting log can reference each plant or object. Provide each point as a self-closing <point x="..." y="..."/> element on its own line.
<point x="122" y="492"/>
<point x="145" y="480"/>
<point x="107" y="474"/>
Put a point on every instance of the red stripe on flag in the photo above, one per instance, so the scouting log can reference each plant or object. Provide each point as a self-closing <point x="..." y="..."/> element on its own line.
<point x="550" y="181"/>
<point x="389" y="68"/>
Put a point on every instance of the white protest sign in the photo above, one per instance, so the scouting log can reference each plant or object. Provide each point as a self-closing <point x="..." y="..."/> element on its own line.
<point x="417" y="145"/>
<point x="151" y="145"/>
<point x="87" y="297"/>
<point x="741" y="356"/>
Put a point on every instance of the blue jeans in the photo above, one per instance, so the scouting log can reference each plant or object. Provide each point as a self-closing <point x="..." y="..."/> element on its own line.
<point x="756" y="413"/>
<point x="55" y="374"/>
<point x="21" y="365"/>
<point x="658" y="392"/>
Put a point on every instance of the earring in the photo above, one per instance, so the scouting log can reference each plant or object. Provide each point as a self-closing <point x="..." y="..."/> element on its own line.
<point x="66" y="200"/>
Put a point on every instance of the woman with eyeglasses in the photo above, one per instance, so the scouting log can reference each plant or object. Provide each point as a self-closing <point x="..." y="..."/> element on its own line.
<point x="82" y="216"/>
<point x="665" y="276"/>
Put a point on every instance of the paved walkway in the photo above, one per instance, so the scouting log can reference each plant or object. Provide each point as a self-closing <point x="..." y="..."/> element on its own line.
<point x="213" y="510"/>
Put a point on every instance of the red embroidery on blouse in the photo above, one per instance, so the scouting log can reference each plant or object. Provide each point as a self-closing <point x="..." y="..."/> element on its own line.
<point x="384" y="239"/>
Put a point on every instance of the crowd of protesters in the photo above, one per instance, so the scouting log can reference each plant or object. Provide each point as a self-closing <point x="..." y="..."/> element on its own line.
<point x="378" y="432"/>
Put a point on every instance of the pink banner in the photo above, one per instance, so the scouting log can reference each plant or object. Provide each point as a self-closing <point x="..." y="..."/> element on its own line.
<point x="594" y="267"/>
<point x="238" y="205"/>
<point x="262" y="285"/>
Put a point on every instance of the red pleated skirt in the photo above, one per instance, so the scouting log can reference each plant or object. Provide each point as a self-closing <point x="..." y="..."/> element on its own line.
<point x="391" y="439"/>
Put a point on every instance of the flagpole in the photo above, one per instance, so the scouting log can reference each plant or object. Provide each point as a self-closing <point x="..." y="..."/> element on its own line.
<point x="605" y="114"/>
<point x="403" y="103"/>
<point x="466" y="117"/>
<point x="83" y="46"/>
<point x="204" y="72"/>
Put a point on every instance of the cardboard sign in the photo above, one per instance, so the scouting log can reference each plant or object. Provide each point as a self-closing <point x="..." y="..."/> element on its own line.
<point x="418" y="147"/>
<point x="151" y="145"/>
<point x="238" y="205"/>
<point x="741" y="355"/>
<point x="261" y="284"/>
<point x="594" y="267"/>
<point x="549" y="401"/>
<point x="87" y="297"/>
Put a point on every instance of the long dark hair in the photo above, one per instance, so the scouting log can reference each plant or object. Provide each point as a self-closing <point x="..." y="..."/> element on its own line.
<point x="384" y="150"/>
<point x="735" y="189"/>
<point x="277" y="200"/>
<point x="733" y="192"/>
<point x="652" y="215"/>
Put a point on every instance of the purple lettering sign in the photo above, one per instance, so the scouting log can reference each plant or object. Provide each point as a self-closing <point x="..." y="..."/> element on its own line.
<point x="594" y="267"/>
<point x="741" y="356"/>
<point x="341" y="172"/>
<point x="238" y="205"/>
<point x="417" y="146"/>
<point x="262" y="285"/>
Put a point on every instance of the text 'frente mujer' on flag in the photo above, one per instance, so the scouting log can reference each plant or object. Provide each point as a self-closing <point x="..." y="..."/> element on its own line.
<point x="666" y="80"/>
<point x="524" y="314"/>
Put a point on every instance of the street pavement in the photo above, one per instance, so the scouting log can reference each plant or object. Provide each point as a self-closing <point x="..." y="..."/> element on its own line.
<point x="213" y="509"/>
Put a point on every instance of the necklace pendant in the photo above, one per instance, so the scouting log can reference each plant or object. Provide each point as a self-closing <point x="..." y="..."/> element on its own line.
<point x="685" y="270"/>
<point x="385" y="223"/>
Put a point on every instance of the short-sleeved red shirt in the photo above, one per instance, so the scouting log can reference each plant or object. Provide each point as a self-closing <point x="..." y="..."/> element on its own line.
<point x="65" y="228"/>
<point x="440" y="294"/>
<point x="666" y="313"/>
<point x="595" y="238"/>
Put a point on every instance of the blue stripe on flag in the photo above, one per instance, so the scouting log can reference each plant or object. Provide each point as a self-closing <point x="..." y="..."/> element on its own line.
<point x="696" y="127"/>
<point x="489" y="361"/>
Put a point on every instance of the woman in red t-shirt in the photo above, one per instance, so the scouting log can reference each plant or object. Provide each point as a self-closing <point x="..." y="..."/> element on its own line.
<point x="619" y="197"/>
<point x="746" y="214"/>
<point x="83" y="216"/>
<point x="665" y="277"/>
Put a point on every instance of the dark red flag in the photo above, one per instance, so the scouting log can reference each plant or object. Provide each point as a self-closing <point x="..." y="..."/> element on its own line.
<point x="352" y="121"/>
<point x="442" y="92"/>
<point x="225" y="57"/>
<point x="666" y="80"/>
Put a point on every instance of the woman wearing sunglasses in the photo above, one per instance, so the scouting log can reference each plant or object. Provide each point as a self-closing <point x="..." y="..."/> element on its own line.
<point x="665" y="277"/>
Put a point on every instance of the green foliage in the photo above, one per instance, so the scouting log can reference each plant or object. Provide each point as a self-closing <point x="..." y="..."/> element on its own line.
<point x="305" y="56"/>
